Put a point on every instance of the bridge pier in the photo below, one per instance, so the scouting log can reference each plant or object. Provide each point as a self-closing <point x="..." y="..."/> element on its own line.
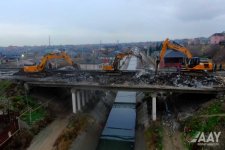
<point x="74" y="104"/>
<point x="86" y="96"/>
<point x="153" y="106"/>
<point x="82" y="98"/>
<point x="26" y="87"/>
<point x="78" y="100"/>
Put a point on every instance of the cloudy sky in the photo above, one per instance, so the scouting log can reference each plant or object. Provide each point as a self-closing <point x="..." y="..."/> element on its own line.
<point x="30" y="22"/>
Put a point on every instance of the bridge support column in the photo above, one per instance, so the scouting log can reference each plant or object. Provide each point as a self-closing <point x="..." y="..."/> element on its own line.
<point x="78" y="100"/>
<point x="153" y="106"/>
<point x="74" y="101"/>
<point x="26" y="87"/>
<point x="83" y="98"/>
<point x="90" y="95"/>
<point x="86" y="96"/>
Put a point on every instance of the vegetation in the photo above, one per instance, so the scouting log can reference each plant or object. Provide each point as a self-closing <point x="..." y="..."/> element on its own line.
<point x="154" y="136"/>
<point x="20" y="103"/>
<point x="77" y="124"/>
<point x="203" y="121"/>
<point x="17" y="101"/>
<point x="31" y="117"/>
<point x="216" y="52"/>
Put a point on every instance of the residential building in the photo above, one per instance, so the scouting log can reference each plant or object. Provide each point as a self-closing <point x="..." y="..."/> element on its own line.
<point x="217" y="38"/>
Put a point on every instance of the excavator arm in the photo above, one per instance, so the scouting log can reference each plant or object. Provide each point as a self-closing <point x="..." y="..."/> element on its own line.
<point x="40" y="67"/>
<point x="169" y="45"/>
<point x="118" y="58"/>
<point x="174" y="46"/>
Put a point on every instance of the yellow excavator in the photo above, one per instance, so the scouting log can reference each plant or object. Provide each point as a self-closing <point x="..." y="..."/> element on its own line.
<point x="116" y="63"/>
<point x="54" y="55"/>
<point x="193" y="64"/>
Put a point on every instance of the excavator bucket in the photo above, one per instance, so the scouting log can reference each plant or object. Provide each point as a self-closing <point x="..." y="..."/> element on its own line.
<point x="108" y="68"/>
<point x="76" y="66"/>
<point x="31" y="69"/>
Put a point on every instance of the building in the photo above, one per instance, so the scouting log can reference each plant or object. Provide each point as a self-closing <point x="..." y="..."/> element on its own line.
<point x="217" y="38"/>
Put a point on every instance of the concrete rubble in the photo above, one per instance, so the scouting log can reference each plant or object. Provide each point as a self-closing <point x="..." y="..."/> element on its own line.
<point x="179" y="80"/>
<point x="170" y="79"/>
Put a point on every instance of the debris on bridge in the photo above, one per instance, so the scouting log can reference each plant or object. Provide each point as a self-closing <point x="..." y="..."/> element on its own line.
<point x="169" y="79"/>
<point x="179" y="80"/>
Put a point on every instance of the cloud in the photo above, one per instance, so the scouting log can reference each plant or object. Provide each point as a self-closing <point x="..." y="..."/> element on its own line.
<point x="22" y="34"/>
<point x="89" y="21"/>
<point x="195" y="10"/>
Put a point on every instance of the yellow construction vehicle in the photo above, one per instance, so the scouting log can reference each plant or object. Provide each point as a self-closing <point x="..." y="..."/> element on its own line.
<point x="116" y="63"/>
<point x="54" y="55"/>
<point x="191" y="64"/>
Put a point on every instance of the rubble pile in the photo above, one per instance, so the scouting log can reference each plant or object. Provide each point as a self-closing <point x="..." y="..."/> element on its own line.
<point x="178" y="80"/>
<point x="169" y="79"/>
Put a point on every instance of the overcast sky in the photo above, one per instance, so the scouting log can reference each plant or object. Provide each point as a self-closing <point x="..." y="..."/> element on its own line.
<point x="30" y="22"/>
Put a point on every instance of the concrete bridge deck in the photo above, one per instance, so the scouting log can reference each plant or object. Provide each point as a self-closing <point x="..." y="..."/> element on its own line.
<point x="128" y="85"/>
<point x="122" y="87"/>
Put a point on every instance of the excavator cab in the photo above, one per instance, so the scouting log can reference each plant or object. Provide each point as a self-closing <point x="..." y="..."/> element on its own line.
<point x="193" y="62"/>
<point x="200" y="64"/>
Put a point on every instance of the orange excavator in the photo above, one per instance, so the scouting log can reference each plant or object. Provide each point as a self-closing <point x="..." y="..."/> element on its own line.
<point x="116" y="63"/>
<point x="54" y="55"/>
<point x="192" y="64"/>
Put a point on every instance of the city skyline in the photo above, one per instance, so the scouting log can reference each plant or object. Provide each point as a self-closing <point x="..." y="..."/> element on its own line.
<point x="82" y="22"/>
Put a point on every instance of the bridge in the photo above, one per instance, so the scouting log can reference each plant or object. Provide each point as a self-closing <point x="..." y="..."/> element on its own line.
<point x="83" y="83"/>
<point x="82" y="89"/>
<point x="127" y="87"/>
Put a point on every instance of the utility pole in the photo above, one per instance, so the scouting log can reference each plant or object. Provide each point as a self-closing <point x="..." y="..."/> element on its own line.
<point x="82" y="52"/>
<point x="49" y="40"/>
<point x="28" y="106"/>
<point x="100" y="46"/>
